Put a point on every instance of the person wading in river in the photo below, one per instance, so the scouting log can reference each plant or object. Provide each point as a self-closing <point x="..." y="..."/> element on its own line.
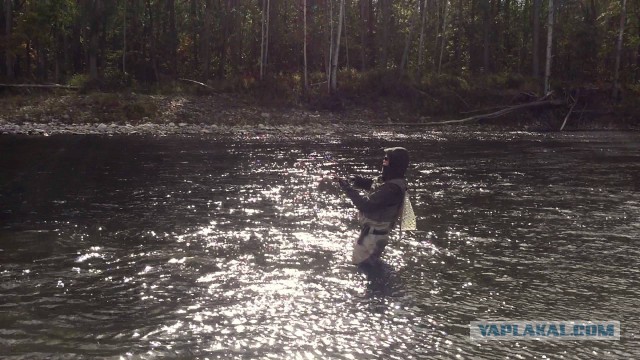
<point x="379" y="210"/>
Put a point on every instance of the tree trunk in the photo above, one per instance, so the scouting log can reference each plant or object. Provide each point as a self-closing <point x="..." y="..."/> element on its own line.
<point x="405" y="53"/>
<point x="499" y="113"/>
<point x="206" y="40"/>
<point x="304" y="16"/>
<point x="423" y="22"/>
<point x="58" y="55"/>
<point x="363" y="34"/>
<point x="27" y="59"/>
<point x="457" y="47"/>
<point x="637" y="72"/>
<point x="153" y="46"/>
<point x="41" y="61"/>
<point x="616" y="84"/>
<point x="386" y="23"/>
<point x="266" y="45"/>
<point x="173" y="36"/>
<point x="486" y="27"/>
<point x="346" y="38"/>
<point x="9" y="56"/>
<point x="547" y="69"/>
<point x="372" y="50"/>
<point x="42" y="86"/>
<point x="76" y="46"/>
<point x="93" y="55"/>
<point x="507" y="32"/>
<point x="94" y="40"/>
<point x="102" y="37"/>
<point x="444" y="36"/>
<point x="237" y="49"/>
<point x="262" y="31"/>
<point x="436" y="13"/>
<point x="537" y="4"/>
<point x="331" y="42"/>
<point x="124" y="39"/>
<point x="194" y="32"/>
<point x="225" y="15"/>
<point x="336" y="51"/>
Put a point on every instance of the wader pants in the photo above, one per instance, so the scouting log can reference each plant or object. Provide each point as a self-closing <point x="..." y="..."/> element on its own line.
<point x="370" y="244"/>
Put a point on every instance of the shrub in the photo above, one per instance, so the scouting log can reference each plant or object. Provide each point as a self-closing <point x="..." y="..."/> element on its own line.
<point x="139" y="109"/>
<point x="445" y="82"/>
<point x="79" y="80"/>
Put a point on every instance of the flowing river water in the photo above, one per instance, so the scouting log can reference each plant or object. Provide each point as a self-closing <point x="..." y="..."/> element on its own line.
<point x="236" y="246"/>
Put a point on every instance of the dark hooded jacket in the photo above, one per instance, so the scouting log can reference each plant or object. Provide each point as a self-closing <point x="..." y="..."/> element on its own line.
<point x="383" y="204"/>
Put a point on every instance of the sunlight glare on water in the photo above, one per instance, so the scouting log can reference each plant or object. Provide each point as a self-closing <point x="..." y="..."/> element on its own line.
<point x="240" y="247"/>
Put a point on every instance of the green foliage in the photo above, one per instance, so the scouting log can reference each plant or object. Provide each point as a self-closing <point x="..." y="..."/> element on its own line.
<point x="114" y="79"/>
<point x="512" y="81"/>
<point x="280" y="89"/>
<point x="629" y="100"/>
<point x="220" y="45"/>
<point x="444" y="81"/>
<point x="138" y="110"/>
<point x="79" y="80"/>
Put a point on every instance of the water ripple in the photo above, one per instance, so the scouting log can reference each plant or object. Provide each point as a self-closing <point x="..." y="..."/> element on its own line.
<point x="240" y="247"/>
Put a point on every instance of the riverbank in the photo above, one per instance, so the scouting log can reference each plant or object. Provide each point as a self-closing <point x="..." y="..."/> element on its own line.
<point x="117" y="113"/>
<point x="130" y="113"/>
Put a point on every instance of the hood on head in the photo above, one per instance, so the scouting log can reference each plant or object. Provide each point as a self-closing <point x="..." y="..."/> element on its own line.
<point x="398" y="163"/>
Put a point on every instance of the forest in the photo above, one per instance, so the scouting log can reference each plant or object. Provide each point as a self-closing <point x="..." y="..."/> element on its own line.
<point x="305" y="49"/>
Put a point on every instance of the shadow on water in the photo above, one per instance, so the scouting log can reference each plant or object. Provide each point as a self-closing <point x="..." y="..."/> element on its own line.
<point x="382" y="279"/>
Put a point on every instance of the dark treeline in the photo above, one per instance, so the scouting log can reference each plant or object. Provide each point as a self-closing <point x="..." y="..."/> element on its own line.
<point x="151" y="41"/>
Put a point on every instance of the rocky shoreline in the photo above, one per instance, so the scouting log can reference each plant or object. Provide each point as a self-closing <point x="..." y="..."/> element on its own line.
<point x="223" y="114"/>
<point x="129" y="114"/>
<point x="55" y="128"/>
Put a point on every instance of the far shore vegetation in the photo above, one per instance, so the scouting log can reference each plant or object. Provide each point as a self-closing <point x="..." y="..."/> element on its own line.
<point x="556" y="64"/>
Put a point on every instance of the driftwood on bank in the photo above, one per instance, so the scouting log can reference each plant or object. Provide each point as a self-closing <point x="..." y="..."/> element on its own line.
<point x="51" y="86"/>
<point x="198" y="83"/>
<point x="570" y="111"/>
<point x="534" y="104"/>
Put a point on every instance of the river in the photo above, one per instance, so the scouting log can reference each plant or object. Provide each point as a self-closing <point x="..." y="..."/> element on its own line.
<point x="237" y="247"/>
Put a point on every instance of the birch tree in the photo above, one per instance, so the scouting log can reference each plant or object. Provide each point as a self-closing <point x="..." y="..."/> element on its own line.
<point x="616" y="83"/>
<point x="264" y="42"/>
<point x="386" y="30"/>
<point x="444" y="35"/>
<point x="173" y="36"/>
<point x="486" y="36"/>
<point x="336" y="51"/>
<point x="364" y="15"/>
<point x="547" y="68"/>
<point x="97" y="11"/>
<point x="537" y="4"/>
<point x="8" y="51"/>
<point x="421" y="42"/>
<point x="346" y="37"/>
<point x="405" y="53"/>
<point x="304" y="16"/>
<point x="206" y="39"/>
<point x="331" y="41"/>
<point x="124" y="39"/>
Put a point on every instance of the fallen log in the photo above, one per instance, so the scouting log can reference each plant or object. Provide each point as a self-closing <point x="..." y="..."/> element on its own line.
<point x="198" y="83"/>
<point x="570" y="111"/>
<point x="58" y="86"/>
<point x="492" y="115"/>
